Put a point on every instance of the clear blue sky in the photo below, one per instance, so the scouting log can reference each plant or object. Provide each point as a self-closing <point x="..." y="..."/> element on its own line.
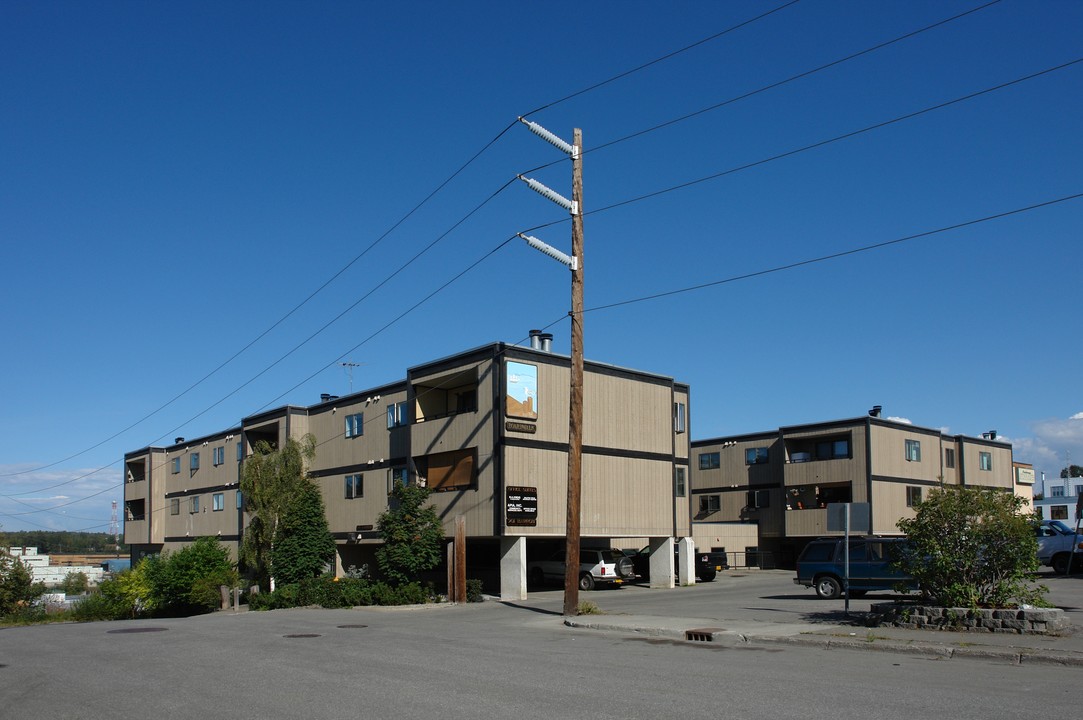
<point x="177" y="177"/>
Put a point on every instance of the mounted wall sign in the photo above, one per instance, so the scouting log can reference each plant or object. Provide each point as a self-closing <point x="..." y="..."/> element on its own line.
<point x="521" y="393"/>
<point x="522" y="506"/>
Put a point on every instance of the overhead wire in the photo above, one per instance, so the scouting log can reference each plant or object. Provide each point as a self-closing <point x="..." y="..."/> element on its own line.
<point x="610" y="207"/>
<point x="390" y="230"/>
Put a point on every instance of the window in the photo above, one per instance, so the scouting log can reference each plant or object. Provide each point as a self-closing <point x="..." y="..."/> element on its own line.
<point x="396" y="476"/>
<point x="949" y="457"/>
<point x="240" y="500"/>
<point x="832" y="449"/>
<point x="193" y="504"/>
<point x="193" y="461"/>
<point x="1079" y="489"/>
<point x="1058" y="512"/>
<point x="466" y="401"/>
<point x="219" y="455"/>
<point x="355" y="487"/>
<point x="709" y="461"/>
<point x="355" y="425"/>
<point x="240" y="452"/>
<point x="678" y="482"/>
<point x="218" y="502"/>
<point x="680" y="423"/>
<point x="710" y="503"/>
<point x="913" y="496"/>
<point x="396" y="414"/>
<point x="985" y="461"/>
<point x="755" y="456"/>
<point x="759" y="499"/>
<point x="1056" y="491"/>
<point x="176" y="465"/>
<point x="174" y="506"/>
<point x="448" y="470"/>
<point x="913" y="451"/>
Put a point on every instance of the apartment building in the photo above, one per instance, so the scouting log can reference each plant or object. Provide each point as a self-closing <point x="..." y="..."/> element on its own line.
<point x="486" y="429"/>
<point x="1058" y="497"/>
<point x="763" y="496"/>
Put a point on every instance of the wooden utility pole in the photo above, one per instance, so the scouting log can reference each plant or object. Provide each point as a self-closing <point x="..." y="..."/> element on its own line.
<point x="575" y="420"/>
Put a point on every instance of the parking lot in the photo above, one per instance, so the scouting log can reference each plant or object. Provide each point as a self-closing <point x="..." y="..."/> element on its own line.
<point x="767" y="597"/>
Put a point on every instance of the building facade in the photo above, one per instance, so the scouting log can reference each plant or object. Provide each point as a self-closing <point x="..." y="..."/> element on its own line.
<point x="486" y="430"/>
<point x="782" y="481"/>
<point x="1057" y="498"/>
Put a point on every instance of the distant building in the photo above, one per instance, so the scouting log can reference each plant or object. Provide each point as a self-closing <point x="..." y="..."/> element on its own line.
<point x="53" y="575"/>
<point x="780" y="482"/>
<point x="1058" y="498"/>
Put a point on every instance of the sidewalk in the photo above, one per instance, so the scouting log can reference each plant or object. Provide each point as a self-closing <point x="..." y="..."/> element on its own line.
<point x="850" y="634"/>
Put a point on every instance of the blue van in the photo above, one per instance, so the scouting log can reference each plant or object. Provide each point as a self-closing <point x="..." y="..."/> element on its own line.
<point x="821" y="566"/>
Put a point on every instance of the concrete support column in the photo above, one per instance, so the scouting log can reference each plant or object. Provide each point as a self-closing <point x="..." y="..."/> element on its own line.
<point x="686" y="561"/>
<point x="661" y="562"/>
<point x="513" y="568"/>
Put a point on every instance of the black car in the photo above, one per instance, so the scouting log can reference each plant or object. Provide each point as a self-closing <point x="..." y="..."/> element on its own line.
<point x="707" y="565"/>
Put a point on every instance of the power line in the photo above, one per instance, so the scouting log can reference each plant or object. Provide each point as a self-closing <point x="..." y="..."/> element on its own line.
<point x="383" y="236"/>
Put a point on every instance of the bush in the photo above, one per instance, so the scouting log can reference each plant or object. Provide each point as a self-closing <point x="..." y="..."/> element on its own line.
<point x="972" y="547"/>
<point x="75" y="583"/>
<point x="101" y="606"/>
<point x="412" y="532"/>
<point x="474" y="590"/>
<point x="187" y="581"/>
<point x="327" y="592"/>
<point x="17" y="587"/>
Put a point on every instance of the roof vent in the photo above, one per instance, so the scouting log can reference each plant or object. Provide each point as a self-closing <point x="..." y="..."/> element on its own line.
<point x="535" y="339"/>
<point x="546" y="342"/>
<point x="178" y="441"/>
<point x="324" y="397"/>
<point x="875" y="412"/>
<point x="991" y="435"/>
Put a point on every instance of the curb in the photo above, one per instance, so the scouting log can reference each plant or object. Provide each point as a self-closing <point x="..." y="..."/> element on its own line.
<point x="936" y="651"/>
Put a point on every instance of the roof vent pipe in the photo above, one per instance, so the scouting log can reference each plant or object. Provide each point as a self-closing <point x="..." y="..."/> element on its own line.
<point x="178" y="441"/>
<point x="546" y="342"/>
<point x="324" y="397"/>
<point x="535" y="339"/>
<point x="875" y="412"/>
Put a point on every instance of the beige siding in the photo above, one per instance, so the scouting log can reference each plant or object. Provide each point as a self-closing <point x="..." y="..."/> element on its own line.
<point x="889" y="454"/>
<point x="1000" y="476"/>
<point x="889" y="505"/>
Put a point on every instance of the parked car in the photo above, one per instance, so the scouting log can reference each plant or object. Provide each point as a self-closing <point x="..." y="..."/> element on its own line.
<point x="596" y="567"/>
<point x="707" y="564"/>
<point x="1055" y="546"/>
<point x="821" y="566"/>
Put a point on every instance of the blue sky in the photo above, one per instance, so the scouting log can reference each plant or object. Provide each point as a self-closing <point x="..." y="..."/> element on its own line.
<point x="177" y="177"/>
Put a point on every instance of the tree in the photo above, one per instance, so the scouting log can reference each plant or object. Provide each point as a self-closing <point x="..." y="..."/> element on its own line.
<point x="188" y="580"/>
<point x="75" y="583"/>
<point x="17" y="586"/>
<point x="304" y="545"/>
<point x="1072" y="471"/>
<point x="972" y="547"/>
<point x="271" y="481"/>
<point x="412" y="534"/>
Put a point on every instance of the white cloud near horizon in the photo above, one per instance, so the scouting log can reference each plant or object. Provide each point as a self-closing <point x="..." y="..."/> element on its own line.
<point x="905" y="421"/>
<point x="1056" y="443"/>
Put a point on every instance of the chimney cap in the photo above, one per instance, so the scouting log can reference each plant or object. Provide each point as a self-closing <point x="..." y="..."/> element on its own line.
<point x="178" y="441"/>
<point x="875" y="412"/>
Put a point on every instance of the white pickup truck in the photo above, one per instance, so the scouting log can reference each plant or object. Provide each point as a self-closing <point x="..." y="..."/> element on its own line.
<point x="1056" y="541"/>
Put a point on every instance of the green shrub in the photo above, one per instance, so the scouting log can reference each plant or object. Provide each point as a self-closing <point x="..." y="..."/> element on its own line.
<point x="327" y="592"/>
<point x="474" y="590"/>
<point x="972" y="547"/>
<point x="100" y="606"/>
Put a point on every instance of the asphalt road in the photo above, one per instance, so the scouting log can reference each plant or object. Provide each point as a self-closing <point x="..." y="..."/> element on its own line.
<point x="493" y="660"/>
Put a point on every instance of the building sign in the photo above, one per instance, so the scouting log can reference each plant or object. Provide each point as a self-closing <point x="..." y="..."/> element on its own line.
<point x="521" y="393"/>
<point x="522" y="506"/>
<point x="512" y="426"/>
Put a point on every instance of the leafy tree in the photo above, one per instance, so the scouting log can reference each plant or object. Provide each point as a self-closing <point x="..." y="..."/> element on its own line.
<point x="271" y="482"/>
<point x="17" y="586"/>
<point x="1072" y="471"/>
<point x="412" y="534"/>
<point x="188" y="580"/>
<point x="304" y="545"/>
<point x="972" y="547"/>
<point x="75" y="583"/>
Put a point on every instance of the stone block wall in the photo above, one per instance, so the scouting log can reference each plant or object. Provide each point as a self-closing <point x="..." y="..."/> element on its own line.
<point x="1041" y="621"/>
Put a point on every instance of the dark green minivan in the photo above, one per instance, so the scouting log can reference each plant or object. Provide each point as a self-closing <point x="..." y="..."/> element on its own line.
<point x="821" y="566"/>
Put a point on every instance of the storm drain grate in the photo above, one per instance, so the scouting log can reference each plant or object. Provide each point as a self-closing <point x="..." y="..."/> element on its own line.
<point x="701" y="634"/>
<point x="128" y="631"/>
<point x="302" y="635"/>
